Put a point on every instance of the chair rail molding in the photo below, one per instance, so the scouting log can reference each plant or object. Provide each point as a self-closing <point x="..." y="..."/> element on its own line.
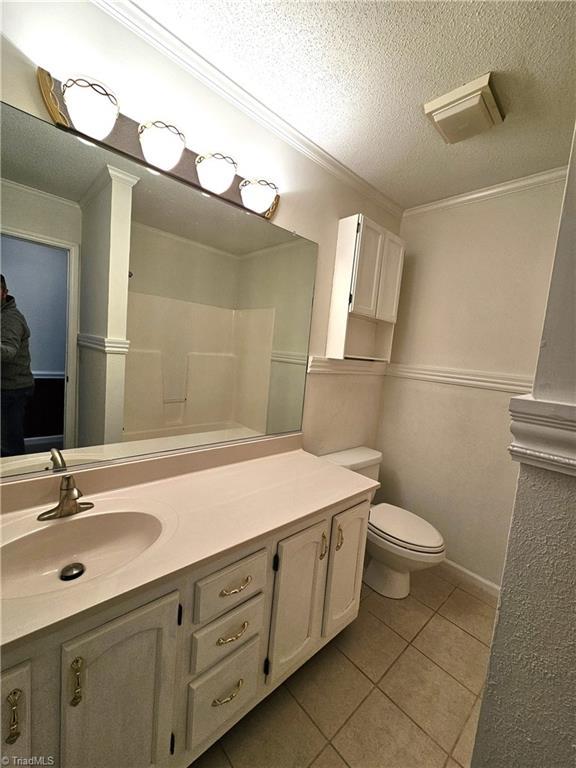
<point x="328" y="365"/>
<point x="544" y="434"/>
<point x="462" y="377"/>
<point x="107" y="345"/>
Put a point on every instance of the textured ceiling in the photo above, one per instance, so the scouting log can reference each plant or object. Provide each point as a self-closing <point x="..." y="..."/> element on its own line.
<point x="38" y="155"/>
<point x="352" y="77"/>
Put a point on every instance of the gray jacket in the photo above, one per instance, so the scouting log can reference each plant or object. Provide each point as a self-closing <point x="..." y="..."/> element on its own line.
<point x="16" y="373"/>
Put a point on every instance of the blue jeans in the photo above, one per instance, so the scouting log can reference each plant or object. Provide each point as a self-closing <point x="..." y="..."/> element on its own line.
<point x="13" y="404"/>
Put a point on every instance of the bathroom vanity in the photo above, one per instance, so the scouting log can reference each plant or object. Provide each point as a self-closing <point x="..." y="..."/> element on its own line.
<point x="147" y="661"/>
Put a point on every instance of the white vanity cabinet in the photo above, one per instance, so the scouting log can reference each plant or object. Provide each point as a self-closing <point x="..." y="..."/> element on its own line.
<point x="117" y="684"/>
<point x="365" y="290"/>
<point x="16" y="715"/>
<point x="153" y="679"/>
<point x="317" y="591"/>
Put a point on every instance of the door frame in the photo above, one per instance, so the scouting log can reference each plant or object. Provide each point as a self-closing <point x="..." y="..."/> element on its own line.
<point x="73" y="319"/>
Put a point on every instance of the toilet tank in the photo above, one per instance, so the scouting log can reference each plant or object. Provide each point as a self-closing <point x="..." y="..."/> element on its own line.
<point x="365" y="461"/>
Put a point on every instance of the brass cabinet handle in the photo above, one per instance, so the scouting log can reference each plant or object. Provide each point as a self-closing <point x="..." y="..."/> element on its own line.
<point x="324" y="550"/>
<point x="226" y="699"/>
<point x="14" y="727"/>
<point x="226" y="640"/>
<point x="236" y="590"/>
<point x="76" y="667"/>
<point x="340" y="540"/>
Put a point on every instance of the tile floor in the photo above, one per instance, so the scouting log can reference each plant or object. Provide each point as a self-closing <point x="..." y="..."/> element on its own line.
<point x="399" y="688"/>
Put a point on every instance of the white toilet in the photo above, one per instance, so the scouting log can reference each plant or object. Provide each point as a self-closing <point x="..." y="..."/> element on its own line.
<point x="398" y="541"/>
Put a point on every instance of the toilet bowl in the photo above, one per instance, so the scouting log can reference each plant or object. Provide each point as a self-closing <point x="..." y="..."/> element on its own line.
<point x="398" y="541"/>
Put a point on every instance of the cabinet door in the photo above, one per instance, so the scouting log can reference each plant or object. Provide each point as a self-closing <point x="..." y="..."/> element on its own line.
<point x="348" y="542"/>
<point x="117" y="690"/>
<point x="298" y="597"/>
<point x="367" y="265"/>
<point x="15" y="708"/>
<point x="390" y="278"/>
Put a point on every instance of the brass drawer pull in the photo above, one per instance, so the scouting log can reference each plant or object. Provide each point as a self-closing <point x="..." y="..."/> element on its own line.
<point x="226" y="640"/>
<point x="236" y="590"/>
<point x="324" y="550"/>
<point x="340" y="541"/>
<point x="14" y="727"/>
<point x="76" y="666"/>
<point x="235" y="692"/>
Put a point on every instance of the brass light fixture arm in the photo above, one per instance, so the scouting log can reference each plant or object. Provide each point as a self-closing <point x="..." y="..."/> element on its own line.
<point x="51" y="102"/>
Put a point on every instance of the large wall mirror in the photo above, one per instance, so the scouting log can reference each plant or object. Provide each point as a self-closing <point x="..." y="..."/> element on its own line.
<point x="160" y="317"/>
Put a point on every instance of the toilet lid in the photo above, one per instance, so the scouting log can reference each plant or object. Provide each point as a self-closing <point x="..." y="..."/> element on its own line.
<point x="404" y="528"/>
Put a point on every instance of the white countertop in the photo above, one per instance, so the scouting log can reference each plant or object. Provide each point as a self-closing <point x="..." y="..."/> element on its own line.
<point x="208" y="513"/>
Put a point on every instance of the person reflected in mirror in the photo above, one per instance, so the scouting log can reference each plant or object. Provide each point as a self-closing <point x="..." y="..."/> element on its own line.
<point x="17" y="379"/>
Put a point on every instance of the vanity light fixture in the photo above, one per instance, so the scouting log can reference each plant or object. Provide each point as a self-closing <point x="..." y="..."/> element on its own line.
<point x="162" y="144"/>
<point x="216" y="171"/>
<point x="92" y="107"/>
<point x="259" y="195"/>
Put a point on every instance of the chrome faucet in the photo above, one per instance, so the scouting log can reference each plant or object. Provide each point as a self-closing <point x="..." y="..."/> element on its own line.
<point x="68" y="504"/>
<point x="58" y="462"/>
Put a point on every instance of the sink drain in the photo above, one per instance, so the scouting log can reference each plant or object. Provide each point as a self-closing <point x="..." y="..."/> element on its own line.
<point x="72" y="571"/>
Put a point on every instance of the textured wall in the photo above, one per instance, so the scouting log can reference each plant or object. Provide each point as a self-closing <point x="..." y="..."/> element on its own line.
<point x="528" y="713"/>
<point x="473" y="298"/>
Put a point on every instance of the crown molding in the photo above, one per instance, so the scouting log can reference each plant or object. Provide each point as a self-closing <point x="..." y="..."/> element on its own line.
<point x="103" y="344"/>
<point x="544" y="434"/>
<point x="147" y="28"/>
<point x="554" y="176"/>
<point x="498" y="381"/>
<point x="9" y="184"/>
<point x="350" y="367"/>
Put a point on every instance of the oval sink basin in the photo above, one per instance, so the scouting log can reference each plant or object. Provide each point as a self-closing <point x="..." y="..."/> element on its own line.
<point x="31" y="564"/>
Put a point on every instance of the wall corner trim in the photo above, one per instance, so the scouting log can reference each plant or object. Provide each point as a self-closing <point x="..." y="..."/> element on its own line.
<point x="351" y="367"/>
<point x="544" y="434"/>
<point x="554" y="176"/>
<point x="147" y="28"/>
<point x="103" y="344"/>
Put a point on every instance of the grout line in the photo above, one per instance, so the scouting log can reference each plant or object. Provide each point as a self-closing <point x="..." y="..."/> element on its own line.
<point x="454" y="624"/>
<point x="226" y="755"/>
<point x="415" y="723"/>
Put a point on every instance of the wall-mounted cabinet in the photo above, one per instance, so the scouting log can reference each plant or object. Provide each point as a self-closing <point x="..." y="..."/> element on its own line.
<point x="365" y="290"/>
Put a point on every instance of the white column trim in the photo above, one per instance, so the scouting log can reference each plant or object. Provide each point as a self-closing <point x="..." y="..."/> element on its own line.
<point x="351" y="367"/>
<point x="496" y="380"/>
<point x="107" y="345"/>
<point x="544" y="434"/>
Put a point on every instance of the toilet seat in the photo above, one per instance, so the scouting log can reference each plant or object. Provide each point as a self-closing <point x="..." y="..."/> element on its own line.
<point x="404" y="529"/>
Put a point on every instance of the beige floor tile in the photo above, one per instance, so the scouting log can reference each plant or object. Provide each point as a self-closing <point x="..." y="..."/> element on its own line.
<point x="451" y="764"/>
<point x="406" y="617"/>
<point x="276" y="733"/>
<point x="464" y="582"/>
<point x="471" y="614"/>
<point x="329" y="688"/>
<point x="328" y="758"/>
<point x="444" y="572"/>
<point x="213" y="758"/>
<point x="370" y="644"/>
<point x="365" y="591"/>
<point x="430" y="589"/>
<point x="464" y="657"/>
<point x="378" y="734"/>
<point x="465" y="745"/>
<point x="434" y="700"/>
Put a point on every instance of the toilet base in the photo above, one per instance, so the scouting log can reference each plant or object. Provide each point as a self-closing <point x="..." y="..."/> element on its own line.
<point x="386" y="581"/>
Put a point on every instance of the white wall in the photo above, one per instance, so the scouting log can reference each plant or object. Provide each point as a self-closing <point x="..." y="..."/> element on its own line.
<point x="472" y="304"/>
<point x="73" y="37"/>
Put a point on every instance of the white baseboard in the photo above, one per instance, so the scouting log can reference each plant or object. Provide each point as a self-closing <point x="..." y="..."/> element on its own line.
<point x="466" y="578"/>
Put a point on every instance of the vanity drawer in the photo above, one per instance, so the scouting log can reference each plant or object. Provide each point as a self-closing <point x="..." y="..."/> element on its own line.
<point x="232" y="585"/>
<point x="221" y="637"/>
<point x="218" y="694"/>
